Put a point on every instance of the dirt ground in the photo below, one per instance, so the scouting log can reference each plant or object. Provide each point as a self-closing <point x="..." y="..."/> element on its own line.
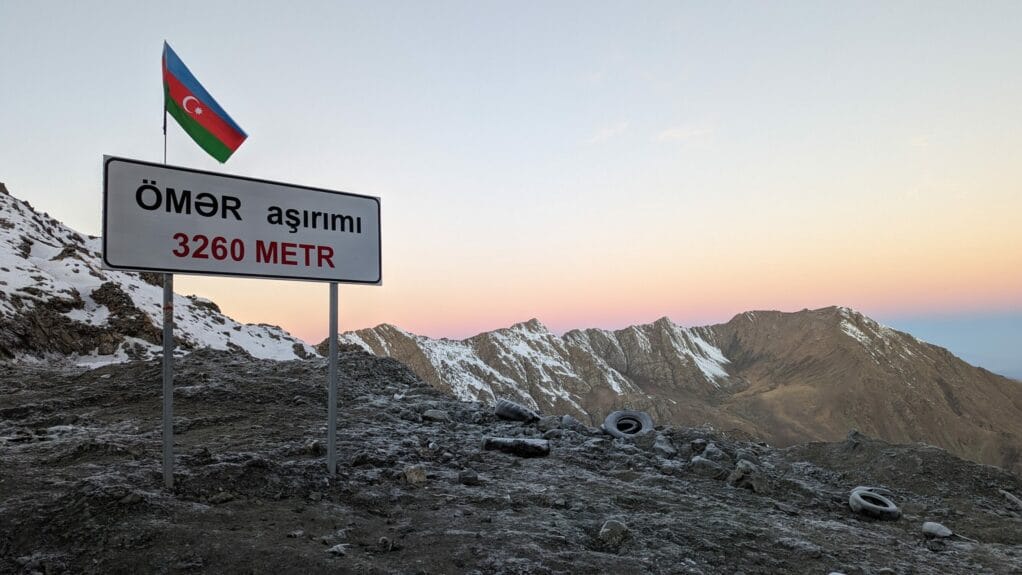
<point x="81" y="487"/>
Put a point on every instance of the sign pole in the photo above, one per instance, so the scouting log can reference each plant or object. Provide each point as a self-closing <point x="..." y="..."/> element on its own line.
<point x="331" y="449"/>
<point x="168" y="380"/>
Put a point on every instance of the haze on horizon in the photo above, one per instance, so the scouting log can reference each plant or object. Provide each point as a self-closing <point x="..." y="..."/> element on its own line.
<point x="591" y="164"/>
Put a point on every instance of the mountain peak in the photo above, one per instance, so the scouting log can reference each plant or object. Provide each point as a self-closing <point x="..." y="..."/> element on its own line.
<point x="533" y="326"/>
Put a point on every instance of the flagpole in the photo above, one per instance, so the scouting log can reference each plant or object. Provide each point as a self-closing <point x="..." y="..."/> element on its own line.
<point x="168" y="353"/>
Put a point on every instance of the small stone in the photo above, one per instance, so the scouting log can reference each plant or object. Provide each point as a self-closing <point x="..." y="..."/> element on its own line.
<point x="746" y="475"/>
<point x="932" y="530"/>
<point x="131" y="499"/>
<point x="561" y="503"/>
<point x="296" y="534"/>
<point x="801" y="547"/>
<point x="613" y="534"/>
<point x="518" y="446"/>
<point x="548" y="422"/>
<point x="747" y="455"/>
<point x="315" y="496"/>
<point x="663" y="447"/>
<point x="315" y="447"/>
<point x="338" y="550"/>
<point x="221" y="497"/>
<point x="697" y="445"/>
<point x="714" y="453"/>
<point x="569" y="422"/>
<point x="554" y="434"/>
<point x="644" y="440"/>
<point x="415" y="475"/>
<point x="468" y="477"/>
<point x="435" y="415"/>
<point x="707" y="468"/>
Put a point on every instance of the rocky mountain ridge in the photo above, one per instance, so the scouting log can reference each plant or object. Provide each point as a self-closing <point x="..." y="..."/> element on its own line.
<point x="57" y="302"/>
<point x="784" y="377"/>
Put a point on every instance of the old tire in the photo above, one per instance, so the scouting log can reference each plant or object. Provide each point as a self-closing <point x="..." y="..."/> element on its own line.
<point x="627" y="423"/>
<point x="514" y="411"/>
<point x="865" y="501"/>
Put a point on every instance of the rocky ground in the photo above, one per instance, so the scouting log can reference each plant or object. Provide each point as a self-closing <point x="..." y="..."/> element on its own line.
<point x="81" y="485"/>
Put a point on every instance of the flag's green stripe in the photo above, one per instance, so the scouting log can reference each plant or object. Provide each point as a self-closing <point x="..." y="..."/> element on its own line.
<point x="202" y="136"/>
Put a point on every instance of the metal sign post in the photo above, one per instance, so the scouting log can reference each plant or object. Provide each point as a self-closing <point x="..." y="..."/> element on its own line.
<point x="168" y="380"/>
<point x="331" y="434"/>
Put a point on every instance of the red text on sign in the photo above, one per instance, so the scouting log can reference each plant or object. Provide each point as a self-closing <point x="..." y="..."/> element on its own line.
<point x="292" y="254"/>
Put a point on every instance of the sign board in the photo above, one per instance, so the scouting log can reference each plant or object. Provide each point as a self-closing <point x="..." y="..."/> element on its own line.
<point x="177" y="220"/>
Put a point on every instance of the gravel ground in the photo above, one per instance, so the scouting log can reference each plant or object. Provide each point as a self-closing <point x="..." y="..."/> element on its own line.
<point x="81" y="486"/>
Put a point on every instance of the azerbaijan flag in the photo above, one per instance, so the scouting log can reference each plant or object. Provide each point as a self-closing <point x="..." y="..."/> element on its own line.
<point x="196" y="111"/>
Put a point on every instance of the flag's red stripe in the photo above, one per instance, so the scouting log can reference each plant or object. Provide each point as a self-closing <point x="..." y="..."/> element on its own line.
<point x="208" y="119"/>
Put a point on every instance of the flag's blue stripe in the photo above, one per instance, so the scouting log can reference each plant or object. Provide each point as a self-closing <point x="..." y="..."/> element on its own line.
<point x="176" y="67"/>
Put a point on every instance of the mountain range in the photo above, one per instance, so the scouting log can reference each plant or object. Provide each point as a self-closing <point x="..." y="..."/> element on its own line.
<point x="811" y="375"/>
<point x="782" y="377"/>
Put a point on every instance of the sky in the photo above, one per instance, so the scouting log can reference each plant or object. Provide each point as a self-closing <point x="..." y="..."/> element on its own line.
<point x="589" y="164"/>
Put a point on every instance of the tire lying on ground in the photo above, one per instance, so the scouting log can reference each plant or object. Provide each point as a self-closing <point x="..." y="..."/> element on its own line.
<point x="627" y="423"/>
<point x="514" y="411"/>
<point x="873" y="502"/>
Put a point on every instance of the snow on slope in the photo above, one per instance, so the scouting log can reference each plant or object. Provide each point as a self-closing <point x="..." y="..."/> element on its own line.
<point x="44" y="264"/>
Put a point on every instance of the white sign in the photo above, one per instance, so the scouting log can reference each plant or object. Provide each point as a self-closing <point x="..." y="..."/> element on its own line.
<point x="171" y="219"/>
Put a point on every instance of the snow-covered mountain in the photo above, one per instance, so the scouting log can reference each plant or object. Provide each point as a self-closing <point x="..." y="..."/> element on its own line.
<point x="57" y="301"/>
<point x="783" y="377"/>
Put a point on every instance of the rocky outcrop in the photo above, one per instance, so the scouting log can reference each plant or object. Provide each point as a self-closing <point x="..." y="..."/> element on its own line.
<point x="784" y="377"/>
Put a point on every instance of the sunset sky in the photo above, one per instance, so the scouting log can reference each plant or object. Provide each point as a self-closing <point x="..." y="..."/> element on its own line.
<point x="586" y="163"/>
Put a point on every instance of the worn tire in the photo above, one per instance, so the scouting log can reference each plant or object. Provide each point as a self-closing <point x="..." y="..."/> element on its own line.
<point x="628" y="423"/>
<point x="514" y="411"/>
<point x="868" y="502"/>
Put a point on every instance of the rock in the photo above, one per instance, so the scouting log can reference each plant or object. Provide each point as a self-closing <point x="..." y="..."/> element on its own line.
<point x="932" y="530"/>
<point x="569" y="422"/>
<point x="560" y="503"/>
<point x="1012" y="499"/>
<point x="339" y="550"/>
<point x="221" y="497"/>
<point x="747" y="455"/>
<point x="746" y="475"/>
<point x="468" y="477"/>
<point x="518" y="446"/>
<point x="714" y="453"/>
<point x="435" y="415"/>
<point x="800" y="547"/>
<point x="554" y="434"/>
<point x="697" y="446"/>
<point x="131" y="499"/>
<point x="707" y="468"/>
<point x="663" y="447"/>
<point x="296" y="534"/>
<point x="548" y="423"/>
<point x="644" y="440"/>
<point x="613" y="534"/>
<point x="415" y="475"/>
<point x="514" y="411"/>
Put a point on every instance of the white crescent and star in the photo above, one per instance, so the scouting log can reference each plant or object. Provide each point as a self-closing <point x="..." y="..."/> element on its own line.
<point x="196" y="111"/>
